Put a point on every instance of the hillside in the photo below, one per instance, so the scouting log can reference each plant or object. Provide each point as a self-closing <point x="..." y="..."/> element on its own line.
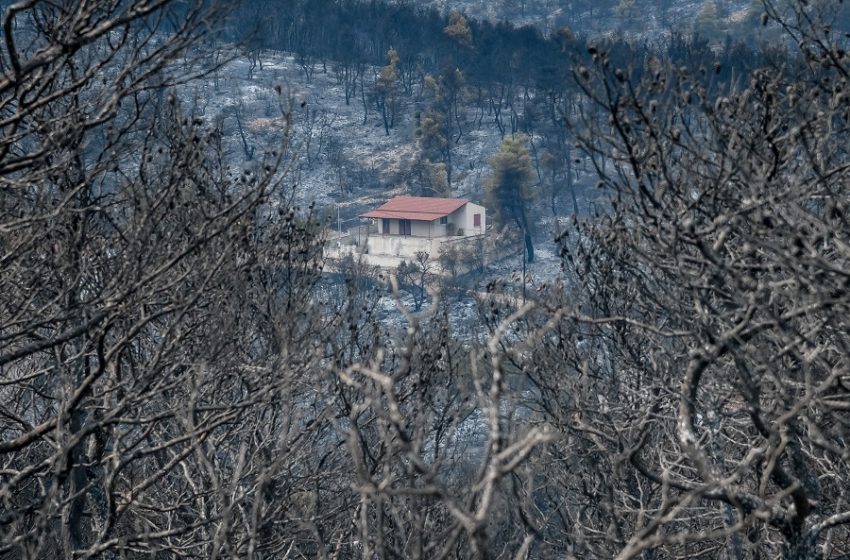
<point x="603" y="16"/>
<point x="348" y="156"/>
<point x="342" y="159"/>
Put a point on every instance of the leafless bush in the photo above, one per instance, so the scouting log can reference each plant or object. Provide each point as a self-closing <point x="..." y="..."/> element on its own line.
<point x="698" y="375"/>
<point x="148" y="403"/>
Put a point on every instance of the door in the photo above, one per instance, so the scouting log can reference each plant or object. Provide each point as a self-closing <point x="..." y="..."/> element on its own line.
<point x="404" y="227"/>
<point x="476" y="220"/>
<point x="385" y="226"/>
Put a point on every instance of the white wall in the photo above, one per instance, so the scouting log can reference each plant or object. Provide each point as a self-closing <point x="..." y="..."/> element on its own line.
<point x="457" y="219"/>
<point x="467" y="219"/>
<point x="389" y="251"/>
<point x="463" y="218"/>
<point x="420" y="229"/>
<point x="401" y="245"/>
<point x="417" y="228"/>
<point x="379" y="222"/>
<point x="438" y="229"/>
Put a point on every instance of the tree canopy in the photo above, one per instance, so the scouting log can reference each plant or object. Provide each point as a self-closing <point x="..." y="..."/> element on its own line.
<point x="510" y="191"/>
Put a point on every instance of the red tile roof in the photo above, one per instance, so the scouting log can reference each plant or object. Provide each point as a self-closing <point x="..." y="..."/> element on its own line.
<point x="422" y="208"/>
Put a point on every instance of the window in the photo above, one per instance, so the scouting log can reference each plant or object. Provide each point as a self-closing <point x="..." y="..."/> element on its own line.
<point x="404" y="227"/>
<point x="444" y="220"/>
<point x="476" y="220"/>
<point x="385" y="224"/>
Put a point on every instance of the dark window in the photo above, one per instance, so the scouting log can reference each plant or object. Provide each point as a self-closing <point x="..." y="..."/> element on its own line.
<point x="444" y="220"/>
<point x="476" y="220"/>
<point x="404" y="227"/>
<point x="386" y="226"/>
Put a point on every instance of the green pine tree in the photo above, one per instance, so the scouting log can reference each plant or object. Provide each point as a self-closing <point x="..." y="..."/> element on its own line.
<point x="509" y="188"/>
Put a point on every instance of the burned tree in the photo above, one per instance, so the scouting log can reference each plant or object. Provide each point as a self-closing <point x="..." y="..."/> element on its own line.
<point x="136" y="415"/>
<point x="702" y="345"/>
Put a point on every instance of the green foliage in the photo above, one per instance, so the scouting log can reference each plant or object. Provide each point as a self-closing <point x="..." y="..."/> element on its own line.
<point x="458" y="29"/>
<point x="509" y="189"/>
<point x="392" y="64"/>
<point x="435" y="130"/>
<point x="436" y="178"/>
<point x="388" y="76"/>
<point x="386" y="89"/>
<point x="431" y="134"/>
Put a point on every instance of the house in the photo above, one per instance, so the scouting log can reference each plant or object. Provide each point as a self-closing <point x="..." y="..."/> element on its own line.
<point x="407" y="225"/>
<point x="429" y="217"/>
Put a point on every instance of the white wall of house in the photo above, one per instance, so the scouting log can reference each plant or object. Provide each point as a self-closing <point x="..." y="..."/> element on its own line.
<point x="417" y="228"/>
<point x="420" y="229"/>
<point x="467" y="219"/>
<point x="393" y="226"/>
<point x="464" y="219"/>
<point x="456" y="218"/>
<point x="438" y="229"/>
